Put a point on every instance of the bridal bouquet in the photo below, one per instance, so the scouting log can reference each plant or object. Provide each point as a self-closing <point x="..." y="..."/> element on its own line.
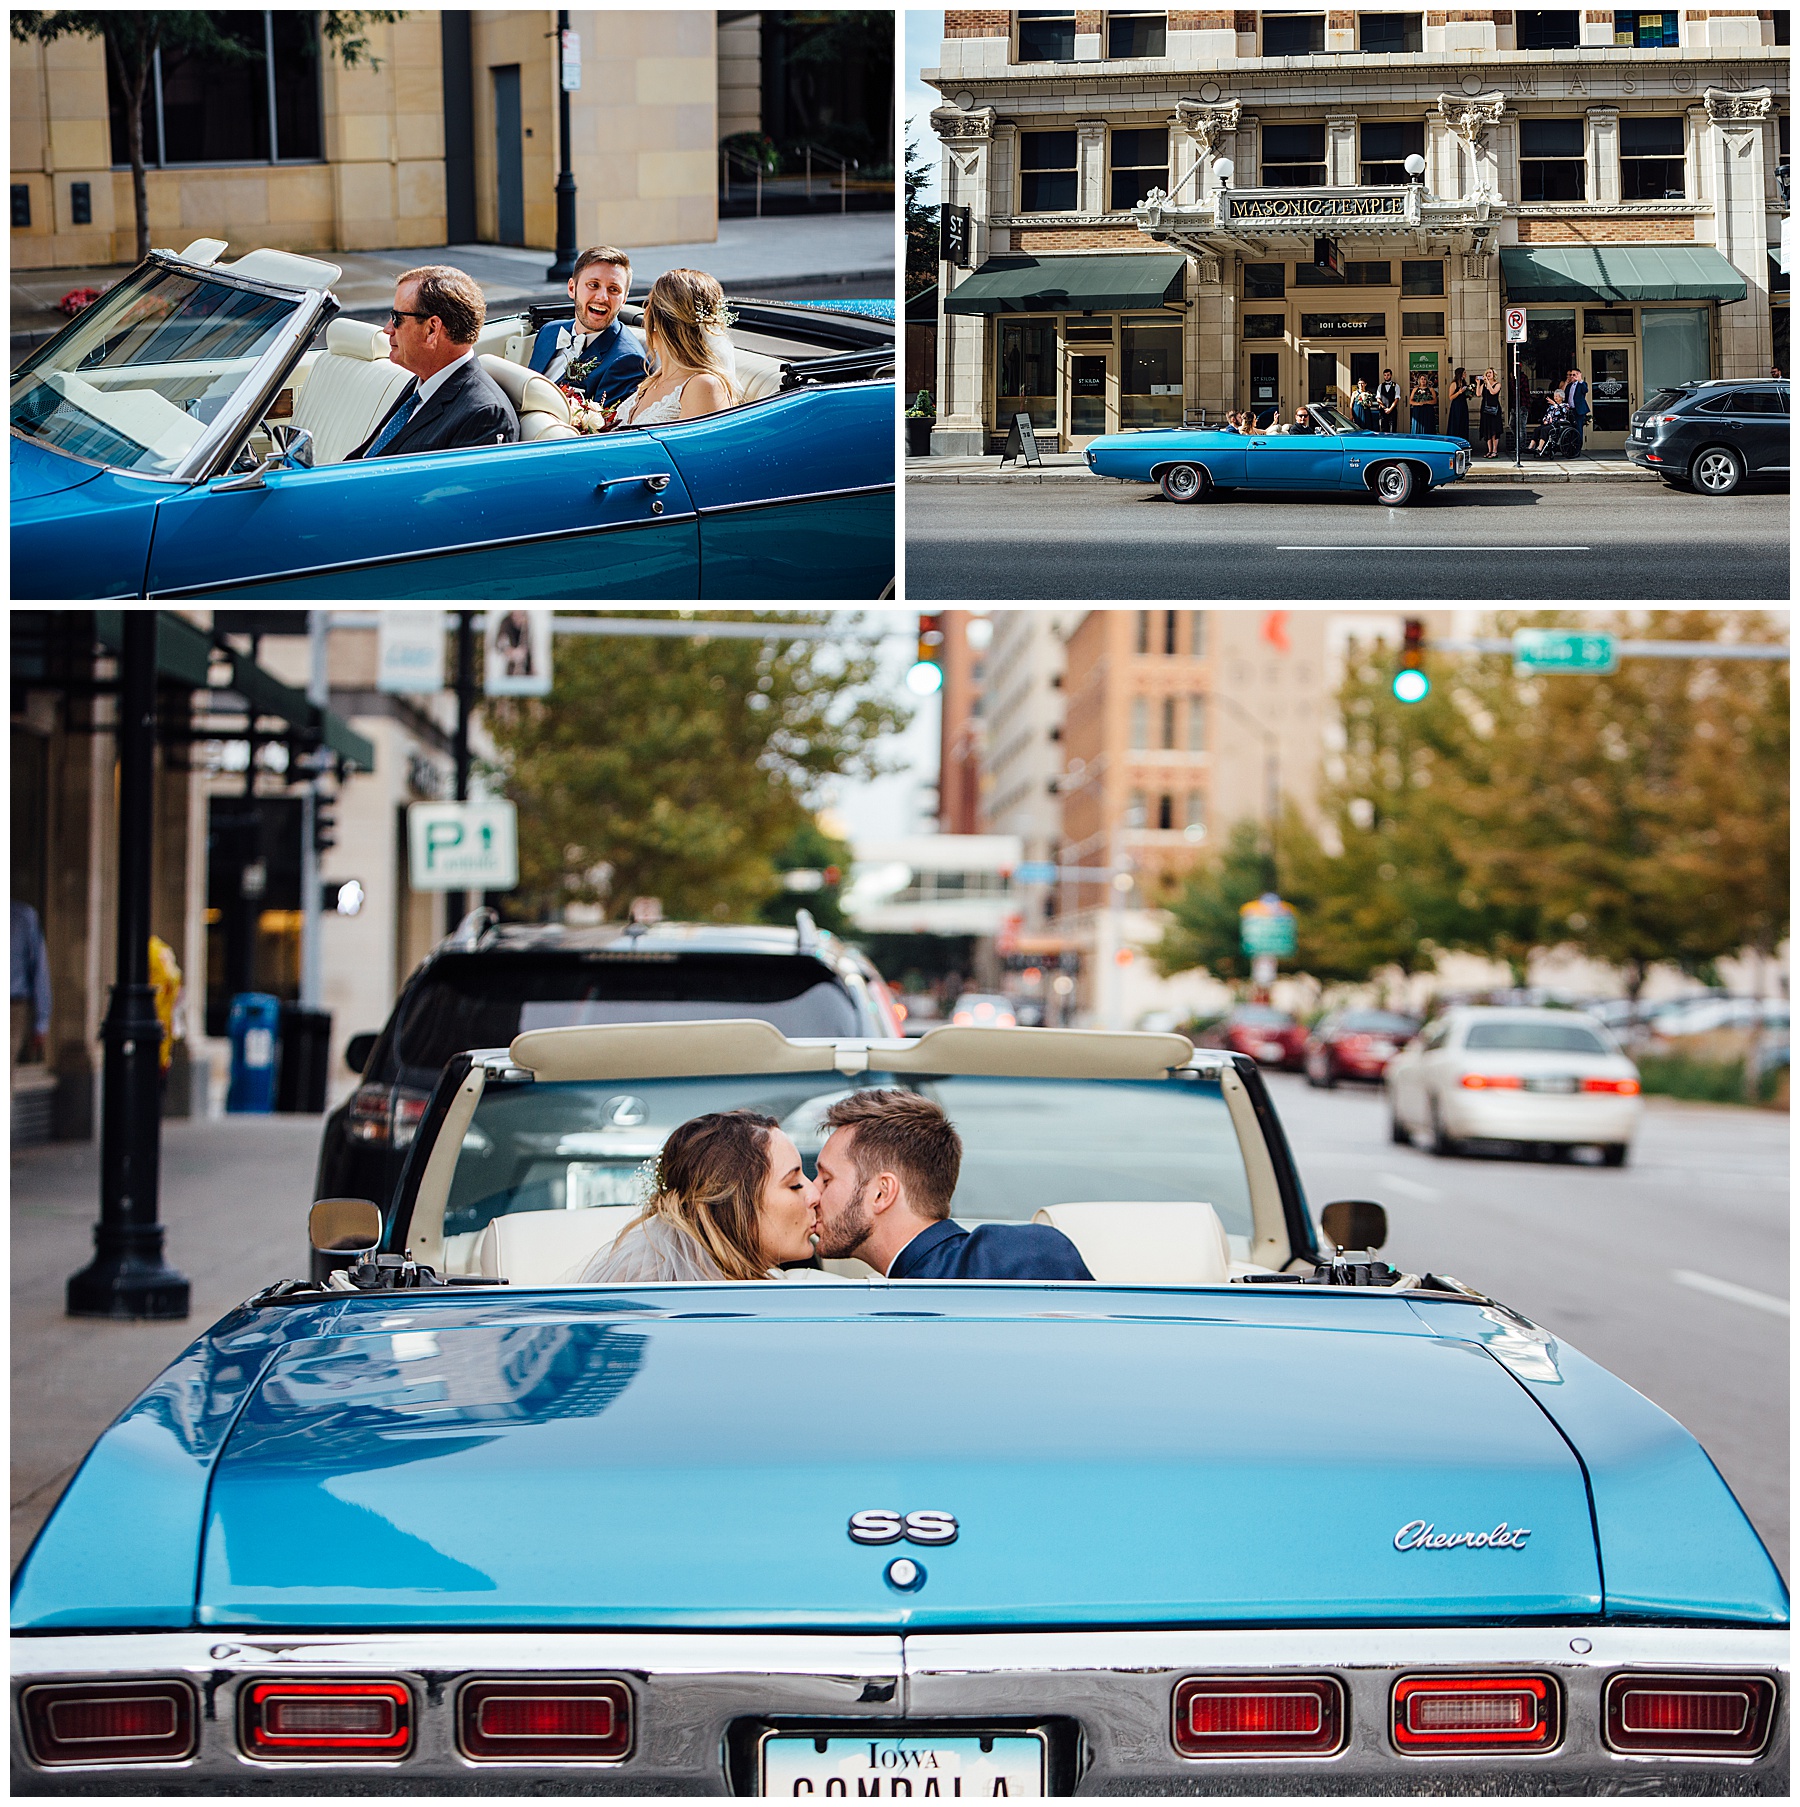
<point x="586" y="415"/>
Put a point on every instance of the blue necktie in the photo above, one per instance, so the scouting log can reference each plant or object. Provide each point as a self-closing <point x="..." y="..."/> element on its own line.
<point x="396" y="421"/>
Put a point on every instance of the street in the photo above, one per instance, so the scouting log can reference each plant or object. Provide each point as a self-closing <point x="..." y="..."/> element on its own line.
<point x="1672" y="1272"/>
<point x="1078" y="541"/>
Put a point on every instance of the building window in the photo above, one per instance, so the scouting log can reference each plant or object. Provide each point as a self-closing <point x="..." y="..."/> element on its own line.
<point x="1140" y="724"/>
<point x="1652" y="160"/>
<point x="1265" y="326"/>
<point x="21" y="204"/>
<point x="1422" y="276"/>
<point x="1781" y="37"/>
<point x="1150" y="388"/>
<point x="1046" y="37"/>
<point x="216" y="109"/>
<point x="1140" y="162"/>
<point x="1137" y="810"/>
<point x="1607" y="322"/>
<point x="1047" y="172"/>
<point x="1386" y="145"/>
<point x="1293" y="34"/>
<point x="1293" y="156"/>
<point x="1168" y="714"/>
<point x="1143" y="630"/>
<point x="1264" y="282"/>
<point x="1560" y="30"/>
<point x="1025" y="381"/>
<point x="1551" y="160"/>
<point x="1421" y="326"/>
<point x="1165" y="812"/>
<point x="1197" y="634"/>
<point x="1196" y="815"/>
<point x="1389" y="34"/>
<point x="1170" y="618"/>
<point x="1646" y="31"/>
<point x="1137" y="34"/>
<point x="1196" y="722"/>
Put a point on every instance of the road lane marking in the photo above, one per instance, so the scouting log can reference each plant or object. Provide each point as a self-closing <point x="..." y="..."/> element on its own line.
<point x="1389" y="546"/>
<point x="1410" y="1188"/>
<point x="1724" y="1289"/>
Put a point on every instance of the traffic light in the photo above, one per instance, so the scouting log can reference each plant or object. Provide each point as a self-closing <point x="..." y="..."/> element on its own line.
<point x="927" y="673"/>
<point x="1411" y="685"/>
<point x="324" y="826"/>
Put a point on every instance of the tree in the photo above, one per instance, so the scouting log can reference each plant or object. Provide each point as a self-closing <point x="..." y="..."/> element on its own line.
<point x="1204" y="926"/>
<point x="921" y="224"/>
<point x="811" y="849"/>
<point x="132" y="39"/>
<point x="682" y="768"/>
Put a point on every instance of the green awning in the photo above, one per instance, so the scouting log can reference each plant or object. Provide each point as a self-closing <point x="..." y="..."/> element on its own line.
<point x="1069" y="285"/>
<point x="1619" y="273"/>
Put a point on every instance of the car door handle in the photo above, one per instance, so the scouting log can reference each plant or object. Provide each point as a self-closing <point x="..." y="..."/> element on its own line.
<point x="1259" y="442"/>
<point x="656" y="480"/>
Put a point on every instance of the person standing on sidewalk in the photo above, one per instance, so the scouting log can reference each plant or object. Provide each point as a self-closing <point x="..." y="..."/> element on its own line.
<point x="1387" y="403"/>
<point x="1457" y="425"/>
<point x="1422" y="404"/>
<point x="1575" y="399"/>
<point x="1493" y="418"/>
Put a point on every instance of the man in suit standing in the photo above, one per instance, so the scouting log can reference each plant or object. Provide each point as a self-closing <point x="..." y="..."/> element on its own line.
<point x="597" y="352"/>
<point x="886" y="1177"/>
<point x="1575" y="399"/>
<point x="437" y="317"/>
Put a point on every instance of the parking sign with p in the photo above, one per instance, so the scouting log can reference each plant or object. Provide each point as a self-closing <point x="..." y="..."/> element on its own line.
<point x="1515" y="326"/>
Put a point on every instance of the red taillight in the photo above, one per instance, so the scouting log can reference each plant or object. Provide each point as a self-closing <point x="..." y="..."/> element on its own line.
<point x="1259" y="1716"/>
<point x="1492" y="1082"/>
<point x="369" y="1113"/>
<point x="526" y="1722"/>
<point x="1475" y="1713"/>
<point x="326" y="1719"/>
<point x="1691" y="1715"/>
<point x="1624" y="1088"/>
<point x="409" y="1112"/>
<point x="110" y="1722"/>
<point x="962" y="1016"/>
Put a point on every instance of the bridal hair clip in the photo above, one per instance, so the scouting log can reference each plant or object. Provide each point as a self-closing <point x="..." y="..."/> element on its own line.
<point x="715" y="316"/>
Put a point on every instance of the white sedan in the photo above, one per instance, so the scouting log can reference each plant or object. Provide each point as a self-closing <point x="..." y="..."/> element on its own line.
<point x="1479" y="1073"/>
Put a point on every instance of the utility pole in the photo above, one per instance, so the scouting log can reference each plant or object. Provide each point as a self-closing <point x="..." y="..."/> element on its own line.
<point x="456" y="903"/>
<point x="318" y="693"/>
<point x="128" y="1277"/>
<point x="566" y="248"/>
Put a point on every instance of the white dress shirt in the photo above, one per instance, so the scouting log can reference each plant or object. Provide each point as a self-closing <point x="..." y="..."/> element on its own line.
<point x="432" y="384"/>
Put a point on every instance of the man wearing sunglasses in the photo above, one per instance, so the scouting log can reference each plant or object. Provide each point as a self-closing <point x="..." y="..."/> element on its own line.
<point x="436" y="319"/>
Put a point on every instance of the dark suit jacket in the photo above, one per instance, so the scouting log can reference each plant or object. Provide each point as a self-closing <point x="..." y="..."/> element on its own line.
<point x="469" y="409"/>
<point x="621" y="359"/>
<point x="991" y="1251"/>
<point x="1576" y="397"/>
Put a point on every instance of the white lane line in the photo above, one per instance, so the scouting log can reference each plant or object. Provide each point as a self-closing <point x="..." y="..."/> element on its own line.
<point x="1409" y="1188"/>
<point x="1724" y="1289"/>
<point x="1388" y="546"/>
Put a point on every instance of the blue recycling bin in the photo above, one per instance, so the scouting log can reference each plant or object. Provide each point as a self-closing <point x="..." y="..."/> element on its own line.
<point x="254" y="1026"/>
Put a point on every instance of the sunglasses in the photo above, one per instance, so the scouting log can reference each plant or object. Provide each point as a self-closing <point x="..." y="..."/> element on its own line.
<point x="397" y="314"/>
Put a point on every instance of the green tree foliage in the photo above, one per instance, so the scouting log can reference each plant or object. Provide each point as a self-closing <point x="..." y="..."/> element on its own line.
<point x="811" y="849"/>
<point x="921" y="224"/>
<point x="1204" y="929"/>
<point x="133" y="36"/>
<point x="682" y="768"/>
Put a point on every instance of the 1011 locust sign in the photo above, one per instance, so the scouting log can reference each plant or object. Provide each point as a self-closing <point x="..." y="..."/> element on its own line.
<point x="463" y="846"/>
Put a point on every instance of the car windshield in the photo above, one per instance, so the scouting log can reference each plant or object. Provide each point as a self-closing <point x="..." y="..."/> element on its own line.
<point x="1377" y="1022"/>
<point x="1027" y="1143"/>
<point x="483" y="1001"/>
<point x="1536" y="1038"/>
<point x="1328" y="416"/>
<point x="1261" y="1016"/>
<point x="146" y="369"/>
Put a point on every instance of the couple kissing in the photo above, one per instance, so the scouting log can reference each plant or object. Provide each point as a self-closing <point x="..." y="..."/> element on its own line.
<point x="733" y="1202"/>
<point x="680" y="366"/>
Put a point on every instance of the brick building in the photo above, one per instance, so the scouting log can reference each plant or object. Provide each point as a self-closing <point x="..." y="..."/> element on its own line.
<point x="1155" y="202"/>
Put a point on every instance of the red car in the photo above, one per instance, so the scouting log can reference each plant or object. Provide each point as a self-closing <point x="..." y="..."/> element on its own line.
<point x="1269" y="1036"/>
<point x="1356" y="1044"/>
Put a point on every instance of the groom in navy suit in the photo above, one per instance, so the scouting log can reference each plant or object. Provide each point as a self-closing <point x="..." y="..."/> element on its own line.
<point x="886" y="1177"/>
<point x="595" y="352"/>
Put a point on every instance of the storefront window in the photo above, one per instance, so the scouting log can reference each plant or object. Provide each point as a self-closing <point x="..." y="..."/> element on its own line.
<point x="1026" y="381"/>
<point x="1646" y="31"/>
<point x="1293" y="34"/>
<point x="1046" y="37"/>
<point x="1551" y="166"/>
<point x="1386" y="145"/>
<point x="1047" y="172"/>
<point x="1652" y="161"/>
<point x="1548" y="353"/>
<point x="1606" y="322"/>
<point x="1264" y="282"/>
<point x="1140" y="162"/>
<point x="1378" y="274"/>
<point x="1677" y="347"/>
<point x="1560" y="30"/>
<point x="1389" y="33"/>
<point x="1137" y="34"/>
<point x="1293" y="156"/>
<point x="1421" y="326"/>
<point x="1265" y="326"/>
<point x="1424" y="276"/>
<point x="1150" y="375"/>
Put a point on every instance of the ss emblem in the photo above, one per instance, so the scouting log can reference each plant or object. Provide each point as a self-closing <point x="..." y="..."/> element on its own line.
<point x="880" y="1526"/>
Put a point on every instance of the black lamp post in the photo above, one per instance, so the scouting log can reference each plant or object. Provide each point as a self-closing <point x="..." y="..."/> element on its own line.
<point x="128" y="1277"/>
<point x="456" y="903"/>
<point x="566" y="248"/>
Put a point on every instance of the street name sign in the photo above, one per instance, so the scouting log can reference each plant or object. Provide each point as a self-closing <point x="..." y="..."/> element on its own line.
<point x="463" y="846"/>
<point x="1035" y="872"/>
<point x="1266" y="925"/>
<point x="1554" y="649"/>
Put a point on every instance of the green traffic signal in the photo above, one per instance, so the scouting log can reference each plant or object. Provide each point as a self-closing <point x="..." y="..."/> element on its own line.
<point x="1411" y="685"/>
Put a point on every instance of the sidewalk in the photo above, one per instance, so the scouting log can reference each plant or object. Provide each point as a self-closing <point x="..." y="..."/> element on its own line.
<point x="1071" y="467"/>
<point x="789" y="256"/>
<point x="235" y="1192"/>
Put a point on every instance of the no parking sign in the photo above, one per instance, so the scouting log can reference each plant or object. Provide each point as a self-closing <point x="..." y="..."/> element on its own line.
<point x="1515" y="326"/>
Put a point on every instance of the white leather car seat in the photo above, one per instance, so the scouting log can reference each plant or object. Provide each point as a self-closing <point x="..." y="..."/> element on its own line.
<point x="350" y="387"/>
<point x="548" y="1248"/>
<point x="757" y="376"/>
<point x="1156" y="1242"/>
<point x="542" y="408"/>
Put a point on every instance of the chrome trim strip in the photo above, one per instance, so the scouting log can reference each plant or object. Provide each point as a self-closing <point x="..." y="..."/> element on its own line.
<point x="817" y="495"/>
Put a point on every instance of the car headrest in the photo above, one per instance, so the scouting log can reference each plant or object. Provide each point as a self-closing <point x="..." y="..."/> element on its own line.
<point x="528" y="392"/>
<point x="1154" y="1242"/>
<point x="356" y="339"/>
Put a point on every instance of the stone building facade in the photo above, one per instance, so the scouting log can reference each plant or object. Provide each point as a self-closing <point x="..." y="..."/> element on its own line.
<point x="1175" y="212"/>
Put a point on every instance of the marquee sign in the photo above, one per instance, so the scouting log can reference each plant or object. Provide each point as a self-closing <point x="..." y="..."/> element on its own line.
<point x="1320" y="210"/>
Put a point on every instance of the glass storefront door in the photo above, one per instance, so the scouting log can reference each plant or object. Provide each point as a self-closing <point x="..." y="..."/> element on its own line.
<point x="1264" y="391"/>
<point x="1322" y="378"/>
<point x="1611" y="396"/>
<point x="1091" y="385"/>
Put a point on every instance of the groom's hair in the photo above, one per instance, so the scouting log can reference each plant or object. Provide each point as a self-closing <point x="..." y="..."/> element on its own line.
<point x="600" y="254"/>
<point x="903" y="1134"/>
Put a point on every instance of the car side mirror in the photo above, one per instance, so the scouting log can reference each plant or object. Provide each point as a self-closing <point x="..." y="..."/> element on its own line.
<point x="1354" y="1223"/>
<point x="293" y="451"/>
<point x="357" y="1051"/>
<point x="344" y="1226"/>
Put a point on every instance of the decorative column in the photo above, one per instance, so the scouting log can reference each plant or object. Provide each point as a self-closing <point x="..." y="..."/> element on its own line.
<point x="1603" y="153"/>
<point x="1090" y="165"/>
<point x="1207" y="132"/>
<point x="1737" y="131"/>
<point x="967" y="139"/>
<point x="1340" y="150"/>
<point x="1470" y="118"/>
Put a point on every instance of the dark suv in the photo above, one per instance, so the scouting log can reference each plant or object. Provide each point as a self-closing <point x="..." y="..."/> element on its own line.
<point x="1713" y="436"/>
<point x="486" y="983"/>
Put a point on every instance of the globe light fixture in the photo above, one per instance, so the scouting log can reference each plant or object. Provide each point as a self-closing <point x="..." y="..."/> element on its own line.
<point x="1224" y="169"/>
<point x="1415" y="166"/>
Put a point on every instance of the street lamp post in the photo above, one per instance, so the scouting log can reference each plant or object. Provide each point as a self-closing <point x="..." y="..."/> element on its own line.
<point x="128" y="1277"/>
<point x="456" y="903"/>
<point x="566" y="248"/>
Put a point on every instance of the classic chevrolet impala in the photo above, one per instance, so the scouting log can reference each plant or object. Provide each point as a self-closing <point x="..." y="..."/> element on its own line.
<point x="186" y="435"/>
<point x="1190" y="463"/>
<point x="1246" y="1514"/>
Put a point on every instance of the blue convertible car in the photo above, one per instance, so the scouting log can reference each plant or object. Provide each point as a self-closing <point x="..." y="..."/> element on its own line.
<point x="1190" y="463"/>
<point x="1245" y="1514"/>
<point x="185" y="436"/>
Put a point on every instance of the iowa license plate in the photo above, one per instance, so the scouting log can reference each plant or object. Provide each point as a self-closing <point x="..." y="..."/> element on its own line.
<point x="981" y="1767"/>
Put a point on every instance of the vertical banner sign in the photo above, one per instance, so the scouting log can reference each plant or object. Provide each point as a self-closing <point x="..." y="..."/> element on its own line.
<point x="518" y="652"/>
<point x="571" y="62"/>
<point x="953" y="236"/>
<point x="409" y="658"/>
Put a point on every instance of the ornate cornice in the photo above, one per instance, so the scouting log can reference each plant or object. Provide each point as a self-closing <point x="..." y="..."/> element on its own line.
<point x="1469" y="115"/>
<point x="1208" y="123"/>
<point x="1726" y="108"/>
<point x="954" y="126"/>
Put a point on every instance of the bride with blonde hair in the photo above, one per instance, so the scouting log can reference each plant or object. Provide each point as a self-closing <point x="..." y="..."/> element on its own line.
<point x="685" y="321"/>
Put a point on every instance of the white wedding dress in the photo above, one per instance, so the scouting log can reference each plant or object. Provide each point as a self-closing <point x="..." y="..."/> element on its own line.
<point x="664" y="408"/>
